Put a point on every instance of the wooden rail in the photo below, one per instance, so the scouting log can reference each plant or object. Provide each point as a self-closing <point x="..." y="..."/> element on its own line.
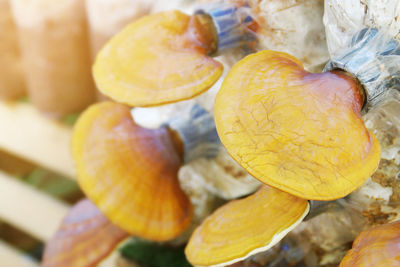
<point x="29" y="209"/>
<point x="9" y="257"/>
<point x="29" y="135"/>
<point x="26" y="133"/>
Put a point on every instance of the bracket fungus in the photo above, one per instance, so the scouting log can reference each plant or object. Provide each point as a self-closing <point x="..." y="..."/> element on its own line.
<point x="164" y="57"/>
<point x="300" y="132"/>
<point x="378" y="246"/>
<point x="245" y="227"/>
<point x="84" y="238"/>
<point x="130" y="172"/>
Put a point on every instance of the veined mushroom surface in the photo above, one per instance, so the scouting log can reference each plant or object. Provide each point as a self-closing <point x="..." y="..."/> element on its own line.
<point x="300" y="132"/>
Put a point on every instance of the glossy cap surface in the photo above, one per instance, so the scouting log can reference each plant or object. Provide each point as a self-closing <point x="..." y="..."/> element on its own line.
<point x="159" y="59"/>
<point x="245" y="227"/>
<point x="130" y="172"/>
<point x="300" y="132"/>
<point x="378" y="246"/>
<point x="84" y="238"/>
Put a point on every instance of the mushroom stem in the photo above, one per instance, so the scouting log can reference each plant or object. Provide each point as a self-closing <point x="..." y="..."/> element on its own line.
<point x="192" y="129"/>
<point x="319" y="207"/>
<point x="234" y="25"/>
<point x="373" y="57"/>
<point x="197" y="131"/>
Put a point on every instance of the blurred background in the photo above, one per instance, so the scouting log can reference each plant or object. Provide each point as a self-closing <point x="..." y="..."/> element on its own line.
<point x="46" y="51"/>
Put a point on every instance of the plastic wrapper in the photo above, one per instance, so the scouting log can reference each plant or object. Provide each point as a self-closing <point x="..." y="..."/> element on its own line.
<point x="379" y="198"/>
<point x="55" y="47"/>
<point x="343" y="19"/>
<point x="12" y="84"/>
<point x="373" y="57"/>
<point x="294" y="27"/>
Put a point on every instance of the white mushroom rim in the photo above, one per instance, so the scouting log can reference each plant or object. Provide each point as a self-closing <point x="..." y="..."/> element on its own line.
<point x="277" y="237"/>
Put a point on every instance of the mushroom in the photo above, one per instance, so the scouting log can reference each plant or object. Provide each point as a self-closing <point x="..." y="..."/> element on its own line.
<point x="378" y="246"/>
<point x="130" y="172"/>
<point x="297" y="131"/>
<point x="164" y="57"/>
<point x="84" y="238"/>
<point x="245" y="227"/>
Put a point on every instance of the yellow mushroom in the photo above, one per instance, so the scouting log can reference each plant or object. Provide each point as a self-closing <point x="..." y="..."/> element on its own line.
<point x="300" y="132"/>
<point x="164" y="57"/>
<point x="130" y="172"/>
<point x="158" y="59"/>
<point x="245" y="227"/>
<point x="84" y="238"/>
<point x="378" y="246"/>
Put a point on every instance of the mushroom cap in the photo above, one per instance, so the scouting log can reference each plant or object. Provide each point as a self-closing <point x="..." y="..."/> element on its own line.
<point x="245" y="227"/>
<point x="300" y="132"/>
<point x="378" y="246"/>
<point x="158" y="59"/>
<point x="84" y="238"/>
<point x="130" y="172"/>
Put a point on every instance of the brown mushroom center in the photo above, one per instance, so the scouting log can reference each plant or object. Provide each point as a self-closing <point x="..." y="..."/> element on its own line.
<point x="176" y="142"/>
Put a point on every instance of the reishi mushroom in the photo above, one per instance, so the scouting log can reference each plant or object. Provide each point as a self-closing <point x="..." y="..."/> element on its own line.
<point x="377" y="246"/>
<point x="245" y="227"/>
<point x="164" y="57"/>
<point x="130" y="172"/>
<point x="83" y="239"/>
<point x="300" y="132"/>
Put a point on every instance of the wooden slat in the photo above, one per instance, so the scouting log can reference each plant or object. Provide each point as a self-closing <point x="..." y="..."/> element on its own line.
<point x="28" y="209"/>
<point x="9" y="257"/>
<point x="25" y="132"/>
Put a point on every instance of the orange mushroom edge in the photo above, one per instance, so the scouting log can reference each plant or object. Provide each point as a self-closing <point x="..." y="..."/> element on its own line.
<point x="84" y="238"/>
<point x="297" y="131"/>
<point x="378" y="246"/>
<point x="130" y="172"/>
<point x="245" y="227"/>
<point x="159" y="59"/>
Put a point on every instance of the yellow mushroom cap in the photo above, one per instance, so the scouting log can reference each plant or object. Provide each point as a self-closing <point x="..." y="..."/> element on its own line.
<point x="130" y="172"/>
<point x="158" y="59"/>
<point x="245" y="227"/>
<point x="378" y="246"/>
<point x="84" y="238"/>
<point x="300" y="132"/>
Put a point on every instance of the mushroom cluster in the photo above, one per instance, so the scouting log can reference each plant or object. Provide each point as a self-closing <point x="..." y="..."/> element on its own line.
<point x="299" y="133"/>
<point x="130" y="172"/>
<point x="302" y="132"/>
